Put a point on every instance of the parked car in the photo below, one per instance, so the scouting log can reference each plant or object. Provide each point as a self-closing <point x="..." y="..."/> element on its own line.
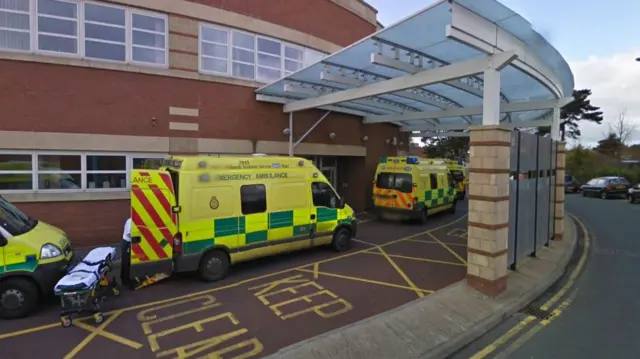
<point x="633" y="195"/>
<point x="606" y="187"/>
<point x="571" y="185"/>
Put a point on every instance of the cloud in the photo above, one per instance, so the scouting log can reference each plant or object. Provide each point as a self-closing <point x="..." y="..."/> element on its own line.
<point x="615" y="84"/>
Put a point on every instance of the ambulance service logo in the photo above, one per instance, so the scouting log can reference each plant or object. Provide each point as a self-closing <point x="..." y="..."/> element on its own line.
<point x="213" y="203"/>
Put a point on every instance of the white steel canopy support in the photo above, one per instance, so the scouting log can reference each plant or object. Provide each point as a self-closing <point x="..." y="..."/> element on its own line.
<point x="469" y="111"/>
<point x="491" y="97"/>
<point x="555" y="124"/>
<point x="290" y="133"/>
<point x="313" y="127"/>
<point x="464" y="126"/>
<point x="437" y="75"/>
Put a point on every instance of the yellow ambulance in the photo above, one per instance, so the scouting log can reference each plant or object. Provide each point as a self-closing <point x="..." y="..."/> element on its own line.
<point x="458" y="171"/>
<point x="33" y="257"/>
<point x="413" y="188"/>
<point x="204" y="213"/>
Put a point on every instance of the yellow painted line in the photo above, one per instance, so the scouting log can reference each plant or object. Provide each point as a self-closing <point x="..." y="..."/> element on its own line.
<point x="401" y="273"/>
<point x="419" y="259"/>
<point x="364" y="221"/>
<point x="93" y="335"/>
<point x="316" y="270"/>
<point x="462" y="260"/>
<point x="369" y="281"/>
<point x="364" y="242"/>
<point x="228" y="286"/>
<point x="504" y="338"/>
<point x="109" y="335"/>
<point x="434" y="242"/>
<point x="536" y="328"/>
<point x="577" y="270"/>
<point x="520" y="326"/>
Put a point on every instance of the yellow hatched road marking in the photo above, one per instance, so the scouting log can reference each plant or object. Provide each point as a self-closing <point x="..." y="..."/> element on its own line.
<point x="370" y="281"/>
<point x="92" y="336"/>
<point x="419" y="259"/>
<point x="401" y="273"/>
<point x="229" y="286"/>
<point x="462" y="260"/>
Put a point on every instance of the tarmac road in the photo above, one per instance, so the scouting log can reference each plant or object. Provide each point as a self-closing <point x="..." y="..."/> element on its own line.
<point x="263" y="305"/>
<point x="598" y="316"/>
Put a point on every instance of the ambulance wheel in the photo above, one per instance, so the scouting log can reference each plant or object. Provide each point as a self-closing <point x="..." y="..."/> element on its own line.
<point x="214" y="266"/>
<point x="341" y="240"/>
<point x="424" y="216"/>
<point x="18" y="297"/>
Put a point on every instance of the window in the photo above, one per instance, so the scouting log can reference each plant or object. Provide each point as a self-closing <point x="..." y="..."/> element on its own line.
<point x="324" y="195"/>
<point x="59" y="171"/>
<point x="148" y="38"/>
<point x="224" y="51"/>
<point x="142" y="163"/>
<point x="269" y="59"/>
<point x="399" y="181"/>
<point x="312" y="56"/>
<point x="105" y="32"/>
<point x="16" y="172"/>
<point x="433" y="179"/>
<point x="243" y="55"/>
<point x="214" y="50"/>
<point x="57" y="26"/>
<point x="15" y="24"/>
<point x="293" y="59"/>
<point x="104" y="171"/>
<point x="254" y="199"/>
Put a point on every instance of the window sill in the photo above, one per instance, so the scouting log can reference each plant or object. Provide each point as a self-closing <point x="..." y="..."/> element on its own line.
<point x="66" y="196"/>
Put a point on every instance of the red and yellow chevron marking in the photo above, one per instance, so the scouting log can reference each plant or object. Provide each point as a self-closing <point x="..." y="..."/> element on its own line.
<point x="151" y="200"/>
<point x="385" y="198"/>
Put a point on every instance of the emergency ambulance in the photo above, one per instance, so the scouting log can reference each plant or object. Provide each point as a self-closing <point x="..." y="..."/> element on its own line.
<point x="413" y="188"/>
<point x="33" y="257"/>
<point x="204" y="213"/>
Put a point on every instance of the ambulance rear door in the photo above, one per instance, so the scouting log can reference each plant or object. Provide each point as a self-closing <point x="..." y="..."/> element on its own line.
<point x="154" y="225"/>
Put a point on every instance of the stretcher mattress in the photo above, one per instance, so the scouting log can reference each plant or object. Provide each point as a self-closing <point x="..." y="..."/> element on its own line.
<point x="87" y="273"/>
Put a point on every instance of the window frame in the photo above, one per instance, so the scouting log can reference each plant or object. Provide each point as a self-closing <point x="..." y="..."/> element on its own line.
<point x="127" y="32"/>
<point x="257" y="58"/>
<point x="81" y="172"/>
<point x="202" y="25"/>
<point x="87" y="172"/>
<point x="29" y="31"/>
<point x="35" y="31"/>
<point x="135" y="11"/>
<point x="285" y="58"/>
<point x="255" y="54"/>
<point x="34" y="166"/>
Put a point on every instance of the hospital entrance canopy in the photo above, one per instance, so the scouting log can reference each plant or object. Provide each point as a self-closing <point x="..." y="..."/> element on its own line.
<point x="439" y="69"/>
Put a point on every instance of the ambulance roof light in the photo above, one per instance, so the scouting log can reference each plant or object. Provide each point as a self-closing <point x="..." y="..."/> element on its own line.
<point x="383" y="159"/>
<point x="412" y="160"/>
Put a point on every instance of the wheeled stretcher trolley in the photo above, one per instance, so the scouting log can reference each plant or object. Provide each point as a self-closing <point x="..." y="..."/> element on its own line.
<point x="87" y="285"/>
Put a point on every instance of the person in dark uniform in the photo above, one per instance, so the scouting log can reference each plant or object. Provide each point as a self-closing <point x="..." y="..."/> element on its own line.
<point x="125" y="248"/>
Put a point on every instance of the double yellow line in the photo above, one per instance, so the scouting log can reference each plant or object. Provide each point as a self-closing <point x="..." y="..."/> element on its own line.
<point x="525" y="323"/>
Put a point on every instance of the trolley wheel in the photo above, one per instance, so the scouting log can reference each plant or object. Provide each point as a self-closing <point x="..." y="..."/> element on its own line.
<point x="66" y="322"/>
<point x="98" y="318"/>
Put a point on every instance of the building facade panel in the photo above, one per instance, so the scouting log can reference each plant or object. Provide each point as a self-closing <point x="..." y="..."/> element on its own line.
<point x="168" y="77"/>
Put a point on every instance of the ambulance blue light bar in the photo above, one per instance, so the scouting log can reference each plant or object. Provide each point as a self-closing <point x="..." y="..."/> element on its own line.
<point x="383" y="159"/>
<point x="412" y="160"/>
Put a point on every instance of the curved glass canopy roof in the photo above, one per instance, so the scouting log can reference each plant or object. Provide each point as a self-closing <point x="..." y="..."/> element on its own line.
<point x="448" y="34"/>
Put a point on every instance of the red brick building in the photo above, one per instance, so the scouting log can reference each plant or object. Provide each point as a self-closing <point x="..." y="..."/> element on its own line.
<point x="91" y="89"/>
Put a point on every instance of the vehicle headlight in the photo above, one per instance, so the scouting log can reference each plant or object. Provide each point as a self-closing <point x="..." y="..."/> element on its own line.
<point x="50" y="251"/>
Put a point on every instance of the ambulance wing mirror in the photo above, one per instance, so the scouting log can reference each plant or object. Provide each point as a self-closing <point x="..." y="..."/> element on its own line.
<point x="342" y="203"/>
<point x="3" y="241"/>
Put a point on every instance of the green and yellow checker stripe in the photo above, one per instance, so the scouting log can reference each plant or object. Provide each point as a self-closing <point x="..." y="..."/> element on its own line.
<point x="439" y="197"/>
<point x="247" y="230"/>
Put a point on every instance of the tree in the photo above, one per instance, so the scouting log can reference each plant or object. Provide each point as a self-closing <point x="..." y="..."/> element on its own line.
<point x="580" y="109"/>
<point x="611" y="146"/>
<point x="623" y="128"/>
<point x="446" y="147"/>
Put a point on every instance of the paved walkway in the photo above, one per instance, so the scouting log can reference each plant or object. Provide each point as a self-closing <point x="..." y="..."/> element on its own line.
<point x="597" y="315"/>
<point x="263" y="305"/>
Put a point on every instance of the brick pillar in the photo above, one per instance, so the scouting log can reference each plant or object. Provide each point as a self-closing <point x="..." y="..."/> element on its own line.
<point x="559" y="205"/>
<point x="488" y="228"/>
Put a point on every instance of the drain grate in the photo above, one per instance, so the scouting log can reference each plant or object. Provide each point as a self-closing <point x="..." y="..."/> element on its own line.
<point x="537" y="312"/>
